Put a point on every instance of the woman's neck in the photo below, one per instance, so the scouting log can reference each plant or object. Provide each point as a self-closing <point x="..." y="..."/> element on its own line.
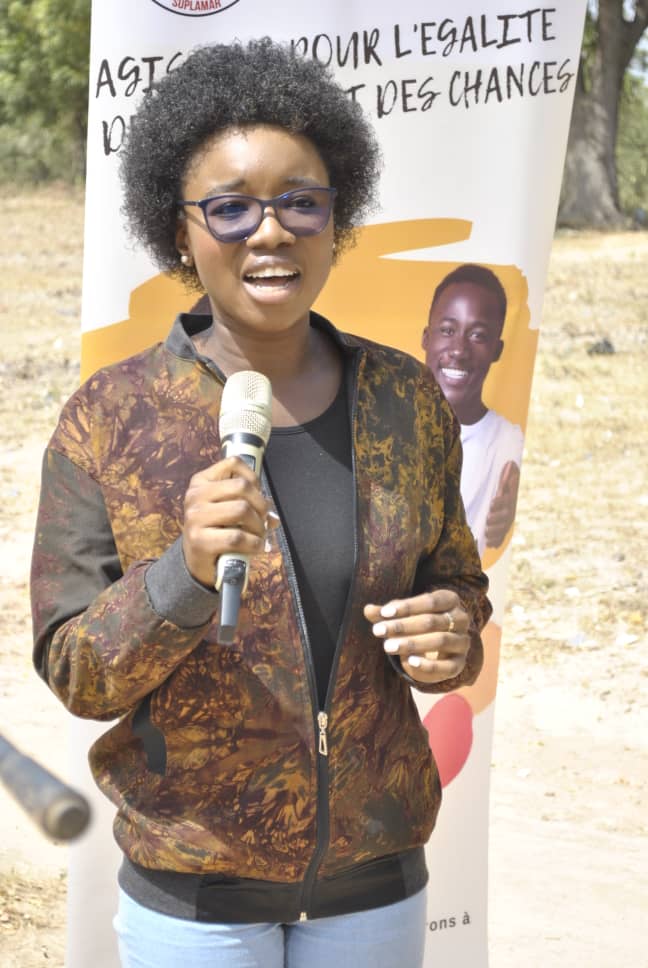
<point x="302" y="363"/>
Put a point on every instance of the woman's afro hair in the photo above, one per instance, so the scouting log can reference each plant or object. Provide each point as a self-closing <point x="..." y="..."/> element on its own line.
<point x="233" y="86"/>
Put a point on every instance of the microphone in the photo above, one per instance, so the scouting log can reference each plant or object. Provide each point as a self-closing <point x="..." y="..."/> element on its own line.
<point x="244" y="425"/>
<point x="59" y="811"/>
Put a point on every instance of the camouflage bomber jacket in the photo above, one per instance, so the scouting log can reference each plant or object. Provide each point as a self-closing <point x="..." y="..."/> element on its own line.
<point x="217" y="763"/>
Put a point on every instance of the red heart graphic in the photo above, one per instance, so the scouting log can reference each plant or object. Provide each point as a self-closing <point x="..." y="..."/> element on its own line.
<point x="449" y="726"/>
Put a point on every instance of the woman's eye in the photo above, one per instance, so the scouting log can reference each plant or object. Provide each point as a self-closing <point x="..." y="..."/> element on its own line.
<point x="301" y="201"/>
<point x="229" y="209"/>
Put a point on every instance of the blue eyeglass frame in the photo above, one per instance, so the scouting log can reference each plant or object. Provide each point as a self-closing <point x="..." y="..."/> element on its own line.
<point x="264" y="203"/>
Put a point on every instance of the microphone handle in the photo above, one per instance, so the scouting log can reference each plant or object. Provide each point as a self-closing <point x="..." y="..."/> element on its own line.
<point x="59" y="811"/>
<point x="232" y="569"/>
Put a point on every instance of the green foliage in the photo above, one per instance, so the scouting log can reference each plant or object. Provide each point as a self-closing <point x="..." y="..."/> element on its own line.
<point x="632" y="145"/>
<point x="589" y="45"/>
<point x="44" y="53"/>
<point x="632" y="139"/>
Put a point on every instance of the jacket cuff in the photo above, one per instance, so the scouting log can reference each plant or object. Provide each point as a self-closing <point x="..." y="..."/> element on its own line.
<point x="175" y="594"/>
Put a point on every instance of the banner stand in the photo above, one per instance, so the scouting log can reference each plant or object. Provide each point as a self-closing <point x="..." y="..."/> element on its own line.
<point x="472" y="110"/>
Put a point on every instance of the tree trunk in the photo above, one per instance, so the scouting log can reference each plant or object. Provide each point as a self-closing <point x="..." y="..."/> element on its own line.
<point x="589" y="195"/>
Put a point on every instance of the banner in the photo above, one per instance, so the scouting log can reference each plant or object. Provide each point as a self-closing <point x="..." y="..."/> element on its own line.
<point x="471" y="102"/>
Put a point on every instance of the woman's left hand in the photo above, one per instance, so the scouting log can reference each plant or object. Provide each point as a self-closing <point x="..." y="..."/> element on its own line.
<point x="428" y="632"/>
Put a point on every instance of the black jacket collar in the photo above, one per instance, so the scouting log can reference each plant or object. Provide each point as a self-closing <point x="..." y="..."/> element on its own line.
<point x="187" y="325"/>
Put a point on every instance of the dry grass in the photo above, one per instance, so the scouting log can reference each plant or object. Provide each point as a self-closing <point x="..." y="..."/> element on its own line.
<point x="32" y="918"/>
<point x="580" y="568"/>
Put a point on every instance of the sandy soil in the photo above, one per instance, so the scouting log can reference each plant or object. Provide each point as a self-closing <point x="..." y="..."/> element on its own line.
<point x="569" y="864"/>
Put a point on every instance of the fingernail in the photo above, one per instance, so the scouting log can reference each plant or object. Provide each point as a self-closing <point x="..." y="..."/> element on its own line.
<point x="388" y="611"/>
<point x="391" y="645"/>
<point x="273" y="515"/>
<point x="380" y="629"/>
<point x="414" y="660"/>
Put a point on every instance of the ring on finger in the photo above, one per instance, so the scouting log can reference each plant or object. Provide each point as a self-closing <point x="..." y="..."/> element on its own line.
<point x="451" y="622"/>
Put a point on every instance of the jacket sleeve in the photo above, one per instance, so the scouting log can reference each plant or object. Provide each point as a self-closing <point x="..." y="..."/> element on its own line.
<point x="103" y="639"/>
<point x="453" y="562"/>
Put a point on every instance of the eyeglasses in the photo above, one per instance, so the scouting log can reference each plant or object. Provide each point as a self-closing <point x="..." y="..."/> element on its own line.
<point x="232" y="218"/>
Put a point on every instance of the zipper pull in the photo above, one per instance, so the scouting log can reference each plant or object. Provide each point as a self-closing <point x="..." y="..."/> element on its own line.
<point x="322" y="722"/>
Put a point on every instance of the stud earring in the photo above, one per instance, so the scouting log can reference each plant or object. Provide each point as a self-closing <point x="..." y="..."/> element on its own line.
<point x="186" y="260"/>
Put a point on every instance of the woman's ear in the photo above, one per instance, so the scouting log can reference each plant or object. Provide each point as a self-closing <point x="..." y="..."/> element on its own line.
<point x="182" y="243"/>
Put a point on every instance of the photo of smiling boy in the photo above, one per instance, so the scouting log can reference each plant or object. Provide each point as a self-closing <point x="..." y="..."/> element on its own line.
<point x="462" y="340"/>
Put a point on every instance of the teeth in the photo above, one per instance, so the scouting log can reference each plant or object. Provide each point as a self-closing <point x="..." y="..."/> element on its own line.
<point x="271" y="272"/>
<point x="454" y="374"/>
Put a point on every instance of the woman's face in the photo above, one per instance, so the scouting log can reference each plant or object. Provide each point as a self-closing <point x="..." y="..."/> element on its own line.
<point x="268" y="282"/>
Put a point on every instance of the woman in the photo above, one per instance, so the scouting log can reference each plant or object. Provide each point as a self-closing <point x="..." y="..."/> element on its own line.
<point x="273" y="796"/>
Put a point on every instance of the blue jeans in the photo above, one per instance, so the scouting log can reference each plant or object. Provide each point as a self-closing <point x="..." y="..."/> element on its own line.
<point x="386" y="937"/>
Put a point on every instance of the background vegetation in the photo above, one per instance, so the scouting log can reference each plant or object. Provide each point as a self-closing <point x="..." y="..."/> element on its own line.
<point x="44" y="54"/>
<point x="632" y="146"/>
<point x="604" y="175"/>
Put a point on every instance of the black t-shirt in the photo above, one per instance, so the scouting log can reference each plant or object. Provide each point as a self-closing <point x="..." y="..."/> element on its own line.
<point x="310" y="473"/>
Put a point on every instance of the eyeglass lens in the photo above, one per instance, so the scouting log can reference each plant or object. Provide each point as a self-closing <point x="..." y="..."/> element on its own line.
<point x="302" y="212"/>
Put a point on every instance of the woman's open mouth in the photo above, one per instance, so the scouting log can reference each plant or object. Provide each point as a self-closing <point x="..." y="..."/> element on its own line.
<point x="271" y="278"/>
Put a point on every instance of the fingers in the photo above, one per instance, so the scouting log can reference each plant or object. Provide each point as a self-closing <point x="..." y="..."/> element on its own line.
<point x="509" y="479"/>
<point x="501" y="513"/>
<point x="500" y="518"/>
<point x="231" y="468"/>
<point x="228" y="480"/>
<point x="225" y="512"/>
<point x="439" y="601"/>
<point x="230" y="507"/>
<point x="442" y="644"/>
<point x="433" y="669"/>
<point x="430" y="633"/>
<point x="497" y="525"/>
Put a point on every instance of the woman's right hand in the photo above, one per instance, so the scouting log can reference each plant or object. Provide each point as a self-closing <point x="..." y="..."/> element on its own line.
<point x="224" y="512"/>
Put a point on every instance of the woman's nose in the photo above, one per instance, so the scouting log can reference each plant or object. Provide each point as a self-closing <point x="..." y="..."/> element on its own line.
<point x="270" y="232"/>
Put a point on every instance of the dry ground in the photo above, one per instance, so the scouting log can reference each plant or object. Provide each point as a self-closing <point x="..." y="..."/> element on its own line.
<point x="569" y="867"/>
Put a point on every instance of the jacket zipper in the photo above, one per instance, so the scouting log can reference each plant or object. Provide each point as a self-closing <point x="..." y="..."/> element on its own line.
<point x="321" y="720"/>
<point x="320" y="723"/>
<point x="323" y="830"/>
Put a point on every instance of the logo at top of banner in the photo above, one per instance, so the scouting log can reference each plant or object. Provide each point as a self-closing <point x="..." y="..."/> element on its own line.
<point x="195" y="8"/>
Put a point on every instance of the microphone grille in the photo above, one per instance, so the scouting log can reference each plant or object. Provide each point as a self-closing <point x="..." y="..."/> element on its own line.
<point x="246" y="405"/>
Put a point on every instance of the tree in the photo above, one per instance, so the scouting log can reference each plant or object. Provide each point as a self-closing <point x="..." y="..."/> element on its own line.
<point x="632" y="147"/>
<point x="44" y="53"/>
<point x="590" y="191"/>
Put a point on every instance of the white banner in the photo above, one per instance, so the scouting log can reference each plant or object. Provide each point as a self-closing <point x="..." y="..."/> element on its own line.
<point x="471" y="103"/>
